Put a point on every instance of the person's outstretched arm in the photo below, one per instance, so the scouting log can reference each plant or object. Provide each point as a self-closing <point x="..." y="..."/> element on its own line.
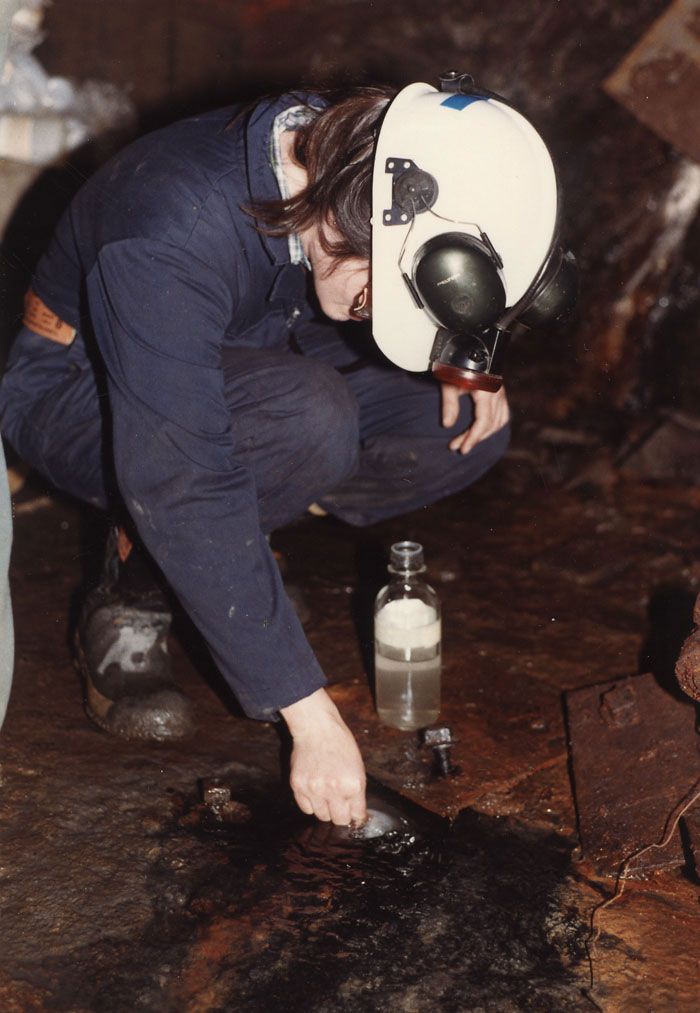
<point x="327" y="772"/>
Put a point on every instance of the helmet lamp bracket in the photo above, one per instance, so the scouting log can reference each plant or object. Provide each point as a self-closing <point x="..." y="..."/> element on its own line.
<point x="412" y="191"/>
<point x="455" y="82"/>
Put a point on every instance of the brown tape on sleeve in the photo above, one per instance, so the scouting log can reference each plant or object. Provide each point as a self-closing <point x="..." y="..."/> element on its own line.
<point x="42" y="320"/>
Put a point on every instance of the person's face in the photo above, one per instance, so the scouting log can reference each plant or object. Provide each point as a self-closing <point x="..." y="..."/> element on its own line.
<point x="342" y="286"/>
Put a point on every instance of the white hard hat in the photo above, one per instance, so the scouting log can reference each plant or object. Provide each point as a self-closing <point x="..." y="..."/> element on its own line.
<point x="464" y="218"/>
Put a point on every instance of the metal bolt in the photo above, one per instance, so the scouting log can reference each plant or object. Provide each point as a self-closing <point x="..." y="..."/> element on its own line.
<point x="214" y="792"/>
<point x="440" y="740"/>
<point x="619" y="706"/>
<point x="437" y="736"/>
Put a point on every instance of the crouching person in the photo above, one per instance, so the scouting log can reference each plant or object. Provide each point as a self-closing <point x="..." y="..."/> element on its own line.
<point x="186" y="363"/>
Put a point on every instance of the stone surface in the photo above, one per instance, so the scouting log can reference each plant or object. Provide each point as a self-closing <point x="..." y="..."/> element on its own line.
<point x="647" y="954"/>
<point x="15" y="180"/>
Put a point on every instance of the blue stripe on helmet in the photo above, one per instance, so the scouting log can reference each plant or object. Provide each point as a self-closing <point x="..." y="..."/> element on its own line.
<point x="461" y="101"/>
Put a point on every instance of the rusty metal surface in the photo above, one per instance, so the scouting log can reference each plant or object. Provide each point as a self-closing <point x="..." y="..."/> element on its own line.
<point x="505" y="728"/>
<point x="659" y="80"/>
<point x="635" y="755"/>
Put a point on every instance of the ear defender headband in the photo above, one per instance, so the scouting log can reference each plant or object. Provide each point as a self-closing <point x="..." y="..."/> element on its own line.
<point x="465" y="286"/>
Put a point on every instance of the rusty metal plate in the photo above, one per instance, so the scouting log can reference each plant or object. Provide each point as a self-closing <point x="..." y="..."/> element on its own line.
<point x="659" y="80"/>
<point x="507" y="726"/>
<point x="635" y="756"/>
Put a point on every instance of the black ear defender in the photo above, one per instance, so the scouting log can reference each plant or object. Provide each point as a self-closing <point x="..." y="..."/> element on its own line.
<point x="470" y="345"/>
<point x="555" y="294"/>
<point x="457" y="277"/>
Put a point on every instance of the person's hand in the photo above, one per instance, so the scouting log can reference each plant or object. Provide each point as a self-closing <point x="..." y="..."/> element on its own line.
<point x="327" y="772"/>
<point x="491" y="413"/>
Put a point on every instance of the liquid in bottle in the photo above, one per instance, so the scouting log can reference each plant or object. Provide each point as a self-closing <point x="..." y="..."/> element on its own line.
<point x="407" y="637"/>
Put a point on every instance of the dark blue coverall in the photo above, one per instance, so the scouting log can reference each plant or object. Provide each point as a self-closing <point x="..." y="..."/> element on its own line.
<point x="201" y="383"/>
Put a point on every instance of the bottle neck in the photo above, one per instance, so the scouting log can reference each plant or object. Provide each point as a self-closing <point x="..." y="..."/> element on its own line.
<point x="406" y="557"/>
<point x="396" y="573"/>
<point x="407" y="577"/>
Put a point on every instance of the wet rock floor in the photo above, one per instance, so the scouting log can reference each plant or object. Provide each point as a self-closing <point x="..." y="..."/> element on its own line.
<point x="120" y="891"/>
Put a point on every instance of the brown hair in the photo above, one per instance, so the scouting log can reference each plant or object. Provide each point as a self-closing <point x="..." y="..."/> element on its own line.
<point x="336" y="149"/>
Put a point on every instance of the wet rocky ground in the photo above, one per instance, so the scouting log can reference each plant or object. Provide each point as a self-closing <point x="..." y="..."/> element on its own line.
<point x="120" y="890"/>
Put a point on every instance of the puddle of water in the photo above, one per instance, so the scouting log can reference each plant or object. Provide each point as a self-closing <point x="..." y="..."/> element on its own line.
<point x="282" y="912"/>
<point x="412" y="915"/>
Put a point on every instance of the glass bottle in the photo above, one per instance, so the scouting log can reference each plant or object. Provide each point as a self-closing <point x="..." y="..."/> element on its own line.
<point x="407" y="643"/>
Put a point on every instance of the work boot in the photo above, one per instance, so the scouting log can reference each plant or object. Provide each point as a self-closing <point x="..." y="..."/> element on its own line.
<point x="122" y="650"/>
<point x="688" y="664"/>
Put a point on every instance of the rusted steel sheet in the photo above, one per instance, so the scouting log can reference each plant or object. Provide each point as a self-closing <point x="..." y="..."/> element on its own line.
<point x="505" y="726"/>
<point x="659" y="80"/>
<point x="635" y="758"/>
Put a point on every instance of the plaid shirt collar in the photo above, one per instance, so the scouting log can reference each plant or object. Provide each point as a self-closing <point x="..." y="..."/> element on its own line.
<point x="288" y="119"/>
